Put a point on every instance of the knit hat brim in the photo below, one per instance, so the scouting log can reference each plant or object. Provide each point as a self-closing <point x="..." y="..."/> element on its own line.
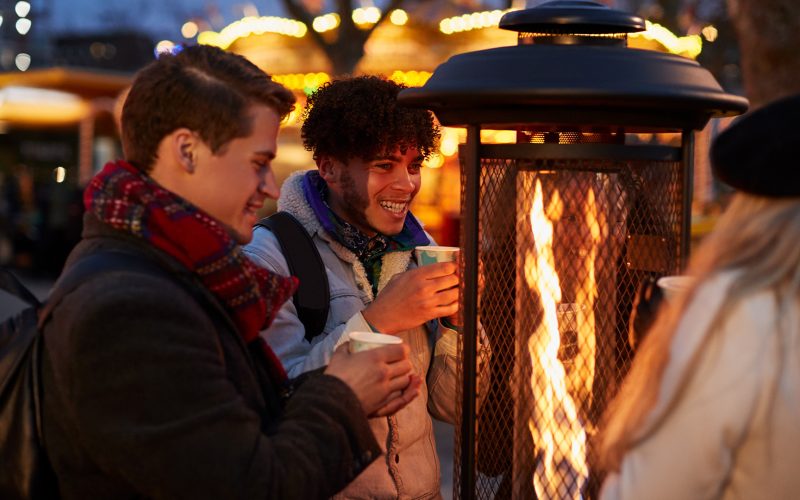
<point x="759" y="152"/>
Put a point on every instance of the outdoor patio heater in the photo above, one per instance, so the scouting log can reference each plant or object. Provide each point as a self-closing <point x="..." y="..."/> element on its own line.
<point x="559" y="229"/>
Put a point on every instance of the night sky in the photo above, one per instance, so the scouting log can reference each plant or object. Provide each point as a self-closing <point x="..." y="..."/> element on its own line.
<point x="160" y="18"/>
<point x="164" y="18"/>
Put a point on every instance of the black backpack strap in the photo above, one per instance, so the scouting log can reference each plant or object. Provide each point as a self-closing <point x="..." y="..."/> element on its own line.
<point x="14" y="286"/>
<point x="96" y="263"/>
<point x="312" y="298"/>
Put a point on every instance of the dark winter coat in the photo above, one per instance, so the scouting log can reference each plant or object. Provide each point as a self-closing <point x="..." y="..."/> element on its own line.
<point x="150" y="392"/>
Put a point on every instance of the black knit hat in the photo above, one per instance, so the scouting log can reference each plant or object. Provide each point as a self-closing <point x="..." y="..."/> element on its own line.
<point x="760" y="152"/>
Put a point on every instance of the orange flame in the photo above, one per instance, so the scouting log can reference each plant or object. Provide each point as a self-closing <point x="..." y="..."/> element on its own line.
<point x="555" y="425"/>
<point x="582" y="375"/>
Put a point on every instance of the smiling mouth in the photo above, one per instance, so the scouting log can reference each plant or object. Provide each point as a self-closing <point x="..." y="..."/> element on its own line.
<point x="252" y="208"/>
<point x="396" y="207"/>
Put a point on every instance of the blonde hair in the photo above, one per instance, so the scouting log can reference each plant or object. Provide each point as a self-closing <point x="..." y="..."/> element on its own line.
<point x="758" y="236"/>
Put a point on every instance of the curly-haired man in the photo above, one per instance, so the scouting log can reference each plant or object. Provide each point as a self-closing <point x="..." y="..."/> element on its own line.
<point x="355" y="205"/>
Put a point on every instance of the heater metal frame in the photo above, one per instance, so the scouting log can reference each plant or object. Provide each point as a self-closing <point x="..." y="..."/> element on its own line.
<point x="472" y="153"/>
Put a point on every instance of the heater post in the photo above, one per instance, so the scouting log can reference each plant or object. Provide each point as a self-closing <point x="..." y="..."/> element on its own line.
<point x="472" y="165"/>
<point x="687" y="142"/>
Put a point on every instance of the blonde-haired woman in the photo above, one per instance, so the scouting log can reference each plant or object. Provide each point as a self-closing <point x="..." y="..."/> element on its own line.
<point x="711" y="405"/>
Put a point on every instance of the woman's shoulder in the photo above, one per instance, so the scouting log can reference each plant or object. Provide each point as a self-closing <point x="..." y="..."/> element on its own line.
<point x="722" y="290"/>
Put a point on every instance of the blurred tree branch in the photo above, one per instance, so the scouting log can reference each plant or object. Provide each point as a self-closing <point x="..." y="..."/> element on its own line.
<point x="769" y="40"/>
<point x="346" y="47"/>
<point x="759" y="37"/>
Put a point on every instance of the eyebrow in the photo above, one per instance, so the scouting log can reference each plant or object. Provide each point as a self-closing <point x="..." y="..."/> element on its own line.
<point x="395" y="158"/>
<point x="268" y="153"/>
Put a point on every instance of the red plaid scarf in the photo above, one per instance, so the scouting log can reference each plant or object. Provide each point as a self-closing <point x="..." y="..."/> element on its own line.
<point x="128" y="200"/>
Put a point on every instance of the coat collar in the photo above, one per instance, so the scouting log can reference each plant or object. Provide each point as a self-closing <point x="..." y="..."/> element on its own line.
<point x="293" y="201"/>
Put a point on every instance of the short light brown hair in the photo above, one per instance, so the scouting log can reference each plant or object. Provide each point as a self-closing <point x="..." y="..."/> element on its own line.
<point x="202" y="88"/>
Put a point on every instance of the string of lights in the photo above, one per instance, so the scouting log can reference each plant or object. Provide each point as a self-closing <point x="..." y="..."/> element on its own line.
<point x="15" y="29"/>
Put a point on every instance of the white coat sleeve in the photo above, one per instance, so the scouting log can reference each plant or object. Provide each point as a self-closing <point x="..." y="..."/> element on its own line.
<point x="692" y="452"/>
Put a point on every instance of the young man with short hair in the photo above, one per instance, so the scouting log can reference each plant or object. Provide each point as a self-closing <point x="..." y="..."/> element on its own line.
<point x="355" y="205"/>
<point x="155" y="382"/>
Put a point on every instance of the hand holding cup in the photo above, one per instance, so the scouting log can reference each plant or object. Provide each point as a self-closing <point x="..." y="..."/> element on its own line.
<point x="432" y="254"/>
<point x="414" y="297"/>
<point x="381" y="377"/>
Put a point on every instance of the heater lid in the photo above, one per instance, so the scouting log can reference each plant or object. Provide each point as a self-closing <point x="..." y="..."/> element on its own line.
<point x="561" y="74"/>
<point x="572" y="16"/>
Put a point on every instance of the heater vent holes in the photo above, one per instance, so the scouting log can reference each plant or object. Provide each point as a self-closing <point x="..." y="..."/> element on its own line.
<point x="570" y="137"/>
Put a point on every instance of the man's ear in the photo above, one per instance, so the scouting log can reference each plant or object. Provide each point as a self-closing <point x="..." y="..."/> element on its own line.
<point x="329" y="169"/>
<point x="184" y="148"/>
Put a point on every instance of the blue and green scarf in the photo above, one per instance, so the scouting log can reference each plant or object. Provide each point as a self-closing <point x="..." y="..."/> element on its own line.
<point x="369" y="250"/>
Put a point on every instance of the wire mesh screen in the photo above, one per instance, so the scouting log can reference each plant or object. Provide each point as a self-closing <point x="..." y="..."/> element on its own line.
<point x="563" y="247"/>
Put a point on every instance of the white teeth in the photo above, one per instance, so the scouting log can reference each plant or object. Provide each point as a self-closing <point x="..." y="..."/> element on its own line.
<point x="392" y="206"/>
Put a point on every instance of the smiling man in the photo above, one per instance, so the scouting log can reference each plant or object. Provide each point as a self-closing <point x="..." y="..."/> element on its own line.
<point x="355" y="205"/>
<point x="155" y="381"/>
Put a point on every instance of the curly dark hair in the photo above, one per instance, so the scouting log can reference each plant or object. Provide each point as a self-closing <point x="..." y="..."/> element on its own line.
<point x="358" y="117"/>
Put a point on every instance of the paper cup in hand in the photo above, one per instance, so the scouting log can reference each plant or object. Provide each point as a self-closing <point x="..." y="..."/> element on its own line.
<point x="673" y="286"/>
<point x="433" y="254"/>
<point x="364" y="341"/>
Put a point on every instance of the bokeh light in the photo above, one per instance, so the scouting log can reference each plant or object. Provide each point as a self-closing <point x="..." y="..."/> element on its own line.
<point x="398" y="17"/>
<point x="22" y="61"/>
<point x="23" y="26"/>
<point x="189" y="29"/>
<point x="22" y="8"/>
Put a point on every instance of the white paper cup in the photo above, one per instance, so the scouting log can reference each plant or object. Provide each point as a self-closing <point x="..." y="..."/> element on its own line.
<point x="433" y="254"/>
<point x="364" y="341"/>
<point x="674" y="286"/>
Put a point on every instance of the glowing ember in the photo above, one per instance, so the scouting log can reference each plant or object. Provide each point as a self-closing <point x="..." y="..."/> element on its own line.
<point x="555" y="424"/>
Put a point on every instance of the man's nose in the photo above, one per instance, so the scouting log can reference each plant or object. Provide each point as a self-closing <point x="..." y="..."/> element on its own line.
<point x="269" y="186"/>
<point x="404" y="180"/>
